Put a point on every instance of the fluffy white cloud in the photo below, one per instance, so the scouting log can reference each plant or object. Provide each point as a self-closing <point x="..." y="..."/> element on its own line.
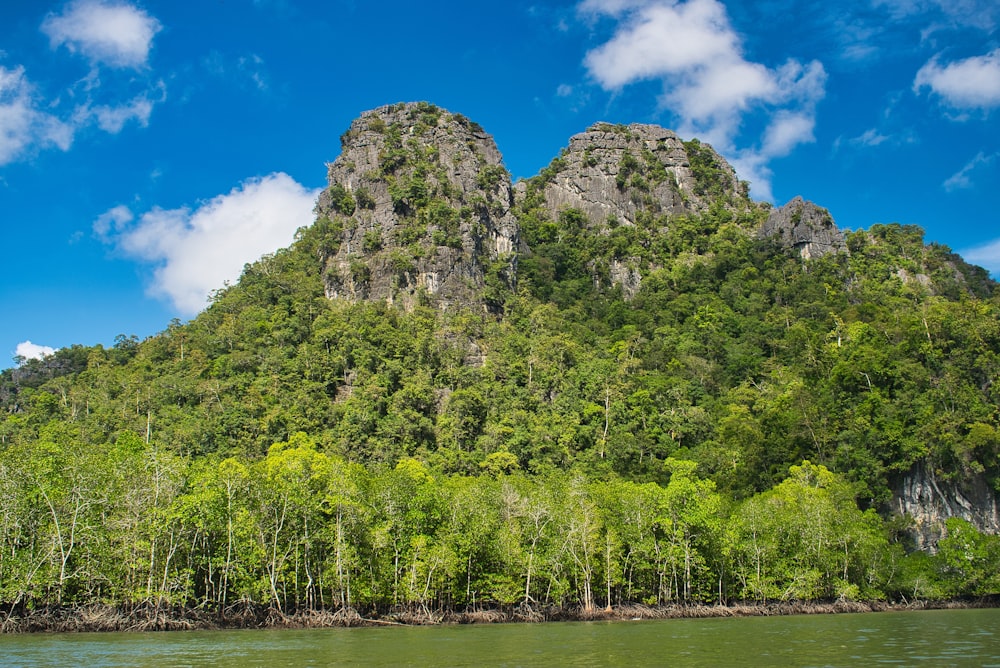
<point x="32" y="351"/>
<point x="109" y="32"/>
<point x="986" y="256"/>
<point x="196" y="252"/>
<point x="23" y="125"/>
<point x="707" y="82"/>
<point x="663" y="39"/>
<point x="972" y="83"/>
<point x="787" y="130"/>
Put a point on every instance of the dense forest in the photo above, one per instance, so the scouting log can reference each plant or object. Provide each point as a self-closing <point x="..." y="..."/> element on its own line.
<point x="733" y="429"/>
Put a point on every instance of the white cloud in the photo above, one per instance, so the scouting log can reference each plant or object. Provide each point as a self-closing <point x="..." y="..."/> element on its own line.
<point x="692" y="48"/>
<point x="986" y="256"/>
<point x="23" y="126"/>
<point x="112" y="119"/>
<point x="113" y="220"/>
<point x="28" y="125"/>
<point x="751" y="166"/>
<point x="963" y="177"/>
<point x="109" y="32"/>
<point x="198" y="251"/>
<point x="32" y="351"/>
<point x="787" y="130"/>
<point x="972" y="83"/>
<point x="973" y="13"/>
<point x="870" y="137"/>
<point x="661" y="39"/>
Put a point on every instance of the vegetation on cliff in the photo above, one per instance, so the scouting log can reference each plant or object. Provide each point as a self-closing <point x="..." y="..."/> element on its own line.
<point x="669" y="409"/>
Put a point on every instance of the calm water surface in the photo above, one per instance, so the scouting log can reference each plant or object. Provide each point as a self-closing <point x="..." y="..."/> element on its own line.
<point x="925" y="638"/>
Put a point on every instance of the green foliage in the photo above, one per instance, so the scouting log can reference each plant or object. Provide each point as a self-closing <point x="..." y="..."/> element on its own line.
<point x="968" y="561"/>
<point x="726" y="433"/>
<point x="364" y="198"/>
<point x="711" y="178"/>
<point x="409" y="194"/>
<point x="490" y="177"/>
<point x="341" y="199"/>
<point x="371" y="242"/>
<point x="806" y="539"/>
<point x="627" y="166"/>
<point x="464" y="121"/>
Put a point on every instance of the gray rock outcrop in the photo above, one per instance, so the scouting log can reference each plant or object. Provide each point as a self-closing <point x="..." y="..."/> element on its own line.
<point x="805" y="227"/>
<point x="929" y="501"/>
<point x="626" y="175"/>
<point x="615" y="171"/>
<point x="424" y="210"/>
<point x="424" y="204"/>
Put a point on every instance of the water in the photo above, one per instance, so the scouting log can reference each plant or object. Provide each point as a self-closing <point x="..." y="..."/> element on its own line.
<point x="928" y="638"/>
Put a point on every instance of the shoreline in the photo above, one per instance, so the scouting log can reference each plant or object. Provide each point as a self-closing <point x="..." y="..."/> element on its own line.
<point x="148" y="618"/>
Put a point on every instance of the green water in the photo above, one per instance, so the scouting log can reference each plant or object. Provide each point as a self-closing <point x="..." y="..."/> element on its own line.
<point x="929" y="638"/>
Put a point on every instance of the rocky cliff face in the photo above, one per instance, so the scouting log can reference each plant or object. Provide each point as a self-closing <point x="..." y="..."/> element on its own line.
<point x="426" y="211"/>
<point x="614" y="176"/>
<point x="803" y="226"/>
<point x="424" y="204"/>
<point x="612" y="172"/>
<point x="929" y="501"/>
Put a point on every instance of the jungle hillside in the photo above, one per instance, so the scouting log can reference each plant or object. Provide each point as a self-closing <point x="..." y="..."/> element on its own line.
<point x="620" y="382"/>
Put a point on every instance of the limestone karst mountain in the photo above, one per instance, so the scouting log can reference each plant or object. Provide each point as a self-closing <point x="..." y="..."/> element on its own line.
<point x="446" y="371"/>
<point x="426" y="210"/>
<point x="424" y="202"/>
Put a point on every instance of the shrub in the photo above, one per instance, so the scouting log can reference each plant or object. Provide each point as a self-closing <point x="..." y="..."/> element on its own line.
<point x="341" y="199"/>
<point x="364" y="198"/>
<point x="372" y="241"/>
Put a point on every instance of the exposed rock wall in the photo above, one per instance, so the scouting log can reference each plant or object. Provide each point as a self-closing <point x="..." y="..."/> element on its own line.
<point x="618" y="175"/>
<point x="805" y="227"/>
<point x="929" y="501"/>
<point x="615" y="171"/>
<point x="425" y="206"/>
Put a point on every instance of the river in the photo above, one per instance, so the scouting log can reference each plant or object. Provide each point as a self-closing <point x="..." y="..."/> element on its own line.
<point x="930" y="638"/>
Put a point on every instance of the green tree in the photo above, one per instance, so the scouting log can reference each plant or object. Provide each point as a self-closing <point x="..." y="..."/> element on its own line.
<point x="806" y="539"/>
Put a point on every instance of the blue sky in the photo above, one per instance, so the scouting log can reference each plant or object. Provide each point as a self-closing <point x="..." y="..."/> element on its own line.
<point x="149" y="149"/>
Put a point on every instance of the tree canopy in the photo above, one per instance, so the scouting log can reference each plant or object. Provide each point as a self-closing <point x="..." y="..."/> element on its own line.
<point x="728" y="431"/>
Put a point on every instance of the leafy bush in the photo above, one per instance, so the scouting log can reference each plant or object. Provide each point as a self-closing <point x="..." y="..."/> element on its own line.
<point x="341" y="199"/>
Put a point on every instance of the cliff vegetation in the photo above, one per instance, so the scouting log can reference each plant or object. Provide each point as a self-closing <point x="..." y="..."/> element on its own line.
<point x="619" y="382"/>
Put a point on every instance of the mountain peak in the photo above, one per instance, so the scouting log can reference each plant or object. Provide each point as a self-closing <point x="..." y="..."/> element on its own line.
<point x="424" y="204"/>
<point x="804" y="226"/>
<point x="616" y="171"/>
<point x="423" y="210"/>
